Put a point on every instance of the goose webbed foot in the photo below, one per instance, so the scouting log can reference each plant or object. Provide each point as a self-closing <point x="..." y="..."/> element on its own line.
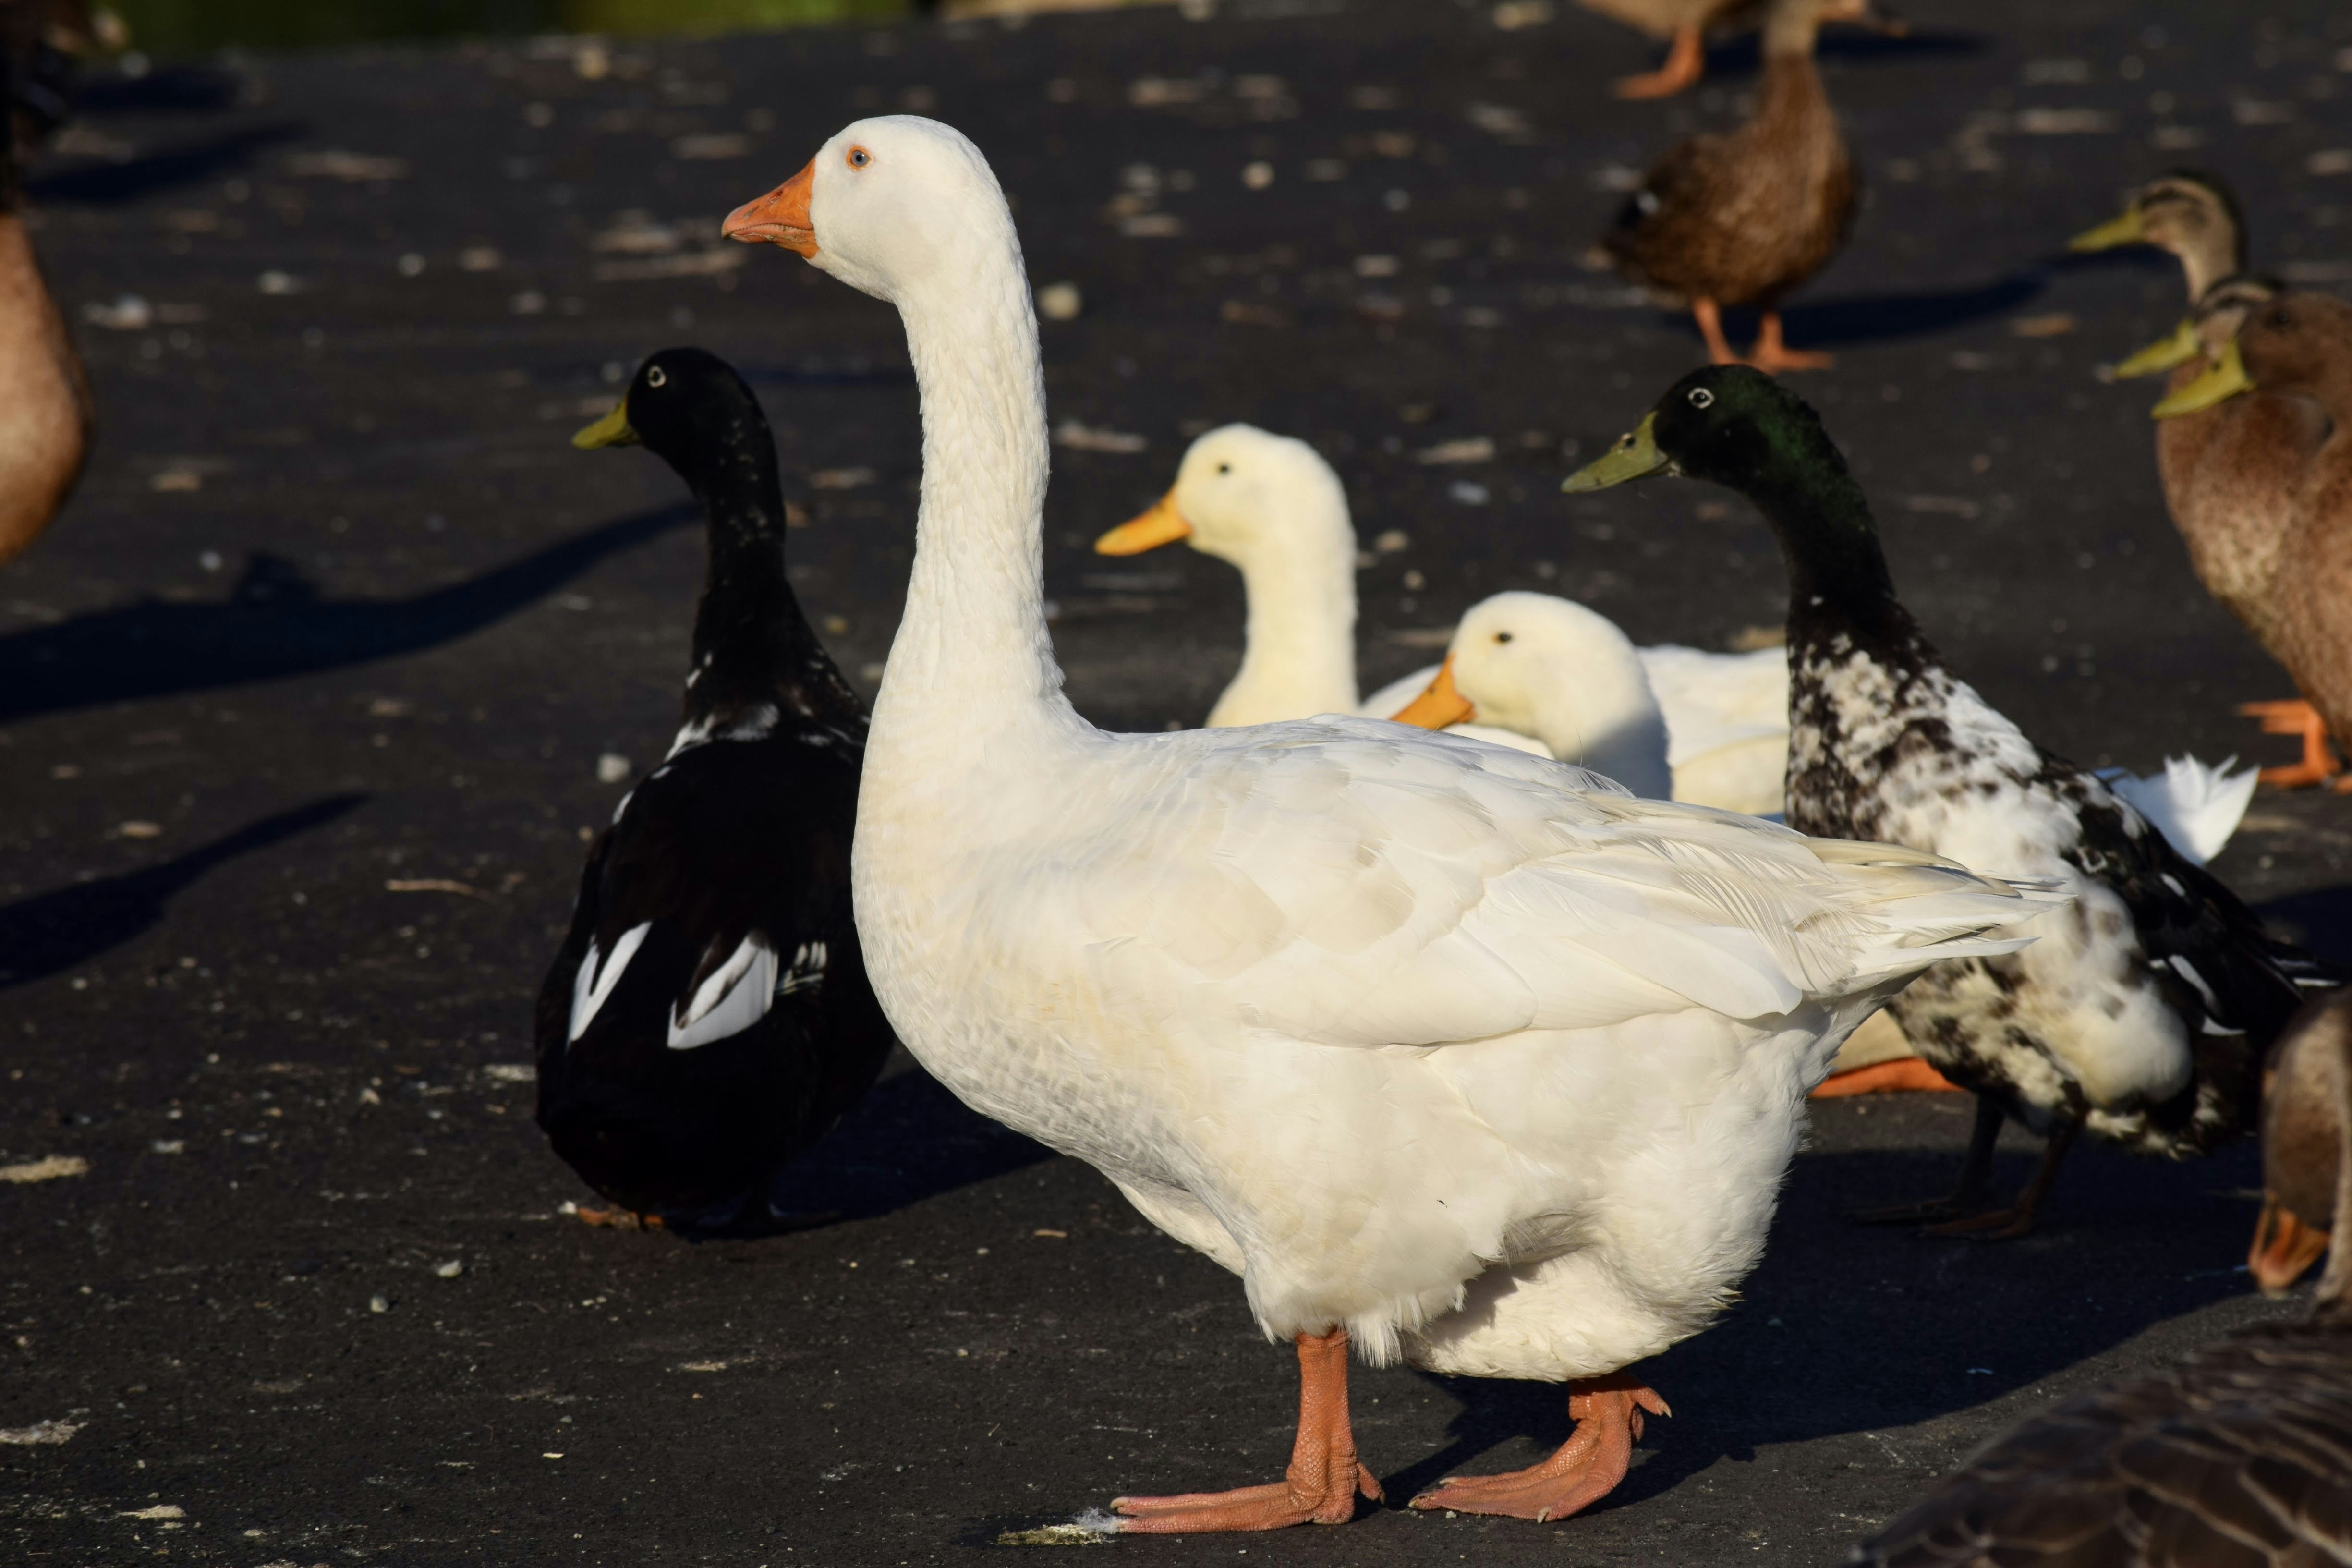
<point x="1685" y="63"/>
<point x="1608" y="1414"/>
<point x="1321" y="1485"/>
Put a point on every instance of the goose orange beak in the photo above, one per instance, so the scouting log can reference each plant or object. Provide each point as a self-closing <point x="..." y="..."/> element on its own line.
<point x="1441" y="706"/>
<point x="2284" y="1248"/>
<point x="779" y="218"/>
<point x="1163" y="524"/>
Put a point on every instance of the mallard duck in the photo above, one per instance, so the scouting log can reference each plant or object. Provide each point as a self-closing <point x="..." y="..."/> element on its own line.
<point x="2241" y="1452"/>
<point x="2187" y="212"/>
<point x="1271" y="506"/>
<point x="1744" y="219"/>
<point x="709" y="1016"/>
<point x="47" y="414"/>
<point x="1456" y="1055"/>
<point x="1686" y="24"/>
<point x="2293" y="466"/>
<point x="2142" y="1014"/>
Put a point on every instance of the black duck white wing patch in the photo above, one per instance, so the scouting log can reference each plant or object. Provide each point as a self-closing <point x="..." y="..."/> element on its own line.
<point x="590" y="988"/>
<point x="736" y="996"/>
<point x="807" y="970"/>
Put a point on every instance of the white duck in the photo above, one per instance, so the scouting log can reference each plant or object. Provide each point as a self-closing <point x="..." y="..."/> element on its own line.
<point x="1272" y="507"/>
<point x="1458" y="1053"/>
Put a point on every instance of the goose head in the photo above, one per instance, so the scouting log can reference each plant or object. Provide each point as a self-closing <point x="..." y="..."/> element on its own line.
<point x="1244" y="496"/>
<point x="896" y="206"/>
<point x="1548" y="668"/>
<point x="2307" y="1152"/>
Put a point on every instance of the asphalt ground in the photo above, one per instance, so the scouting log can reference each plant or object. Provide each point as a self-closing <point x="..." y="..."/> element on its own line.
<point x="337" y="613"/>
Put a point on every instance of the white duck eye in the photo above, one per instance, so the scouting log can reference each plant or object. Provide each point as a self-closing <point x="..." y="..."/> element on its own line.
<point x="1502" y="637"/>
<point x="1224" y="468"/>
<point x="657" y="377"/>
<point x="859" y="157"/>
<point x="1700" y="398"/>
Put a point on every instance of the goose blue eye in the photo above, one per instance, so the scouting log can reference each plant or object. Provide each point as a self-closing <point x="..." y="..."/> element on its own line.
<point x="859" y="157"/>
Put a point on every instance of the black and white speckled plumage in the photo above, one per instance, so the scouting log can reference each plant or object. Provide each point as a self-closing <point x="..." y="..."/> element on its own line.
<point x="709" y="1016"/>
<point x="2142" y="1011"/>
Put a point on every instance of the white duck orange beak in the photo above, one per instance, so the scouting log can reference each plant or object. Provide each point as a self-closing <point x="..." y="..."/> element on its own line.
<point x="1163" y="524"/>
<point x="779" y="218"/>
<point x="1440" y="706"/>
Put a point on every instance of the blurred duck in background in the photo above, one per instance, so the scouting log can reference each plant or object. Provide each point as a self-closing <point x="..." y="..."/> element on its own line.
<point x="1686" y="24"/>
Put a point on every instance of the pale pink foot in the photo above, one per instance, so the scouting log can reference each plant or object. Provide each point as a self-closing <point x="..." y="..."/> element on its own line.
<point x="1608" y="1415"/>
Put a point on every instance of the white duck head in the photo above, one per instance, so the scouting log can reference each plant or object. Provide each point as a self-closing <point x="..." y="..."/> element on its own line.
<point x="1548" y="668"/>
<point x="1271" y="506"/>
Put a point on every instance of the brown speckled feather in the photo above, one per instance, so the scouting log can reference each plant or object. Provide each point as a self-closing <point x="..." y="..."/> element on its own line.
<point x="2225" y="472"/>
<point x="1746" y="217"/>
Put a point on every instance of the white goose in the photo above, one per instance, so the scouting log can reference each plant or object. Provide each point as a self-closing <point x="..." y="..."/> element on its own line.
<point x="1272" y="507"/>
<point x="1458" y="1054"/>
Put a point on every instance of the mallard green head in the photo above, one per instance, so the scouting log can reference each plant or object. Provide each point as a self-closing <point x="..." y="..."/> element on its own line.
<point x="2187" y="212"/>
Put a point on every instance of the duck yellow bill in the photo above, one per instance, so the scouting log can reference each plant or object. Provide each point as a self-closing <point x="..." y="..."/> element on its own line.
<point x="2284" y="1248"/>
<point x="2128" y="229"/>
<point x="1634" y="457"/>
<point x="2179" y="349"/>
<point x="613" y="430"/>
<point x="2223" y="379"/>
<point x="1163" y="524"/>
<point x="1440" y="706"/>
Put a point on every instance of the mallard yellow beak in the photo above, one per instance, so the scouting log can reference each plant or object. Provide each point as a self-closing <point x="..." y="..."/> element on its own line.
<point x="2128" y="229"/>
<point x="613" y="430"/>
<point x="2284" y="1248"/>
<point x="1634" y="457"/>
<point x="2179" y="349"/>
<point x="1163" y="524"/>
<point x="1440" y="706"/>
<point x="2223" y="380"/>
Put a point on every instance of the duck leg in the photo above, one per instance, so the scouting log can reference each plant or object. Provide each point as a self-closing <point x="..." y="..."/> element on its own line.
<point x="2296" y="717"/>
<point x="1772" y="356"/>
<point x="618" y="1218"/>
<point x="1608" y="1415"/>
<point x="1686" y="61"/>
<point x="1974" y="1189"/>
<point x="2017" y="1219"/>
<point x="1319" y="1488"/>
<point x="1709" y="317"/>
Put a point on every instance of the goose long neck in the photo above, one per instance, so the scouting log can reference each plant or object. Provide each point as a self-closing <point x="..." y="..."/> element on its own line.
<point x="1302" y="623"/>
<point x="973" y="658"/>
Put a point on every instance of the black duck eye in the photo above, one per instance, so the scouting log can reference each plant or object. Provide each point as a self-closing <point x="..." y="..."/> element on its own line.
<point x="859" y="157"/>
<point x="657" y="377"/>
<point x="1700" y="398"/>
<point x="1502" y="637"/>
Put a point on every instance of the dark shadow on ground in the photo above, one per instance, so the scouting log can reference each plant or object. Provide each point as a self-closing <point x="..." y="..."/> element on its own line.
<point x="52" y="932"/>
<point x="907" y="1140"/>
<point x="2318" y="920"/>
<point x="186" y="89"/>
<point x="106" y="183"/>
<point x="1846" y="1328"/>
<point x="1741" y="55"/>
<point x="276" y="623"/>
<point x="1872" y="318"/>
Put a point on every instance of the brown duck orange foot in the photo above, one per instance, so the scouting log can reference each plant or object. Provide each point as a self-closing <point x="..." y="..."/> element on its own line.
<point x="1773" y="357"/>
<point x="2295" y="717"/>
<point x="1321" y="1485"/>
<point x="1685" y="62"/>
<point x="1608" y="1415"/>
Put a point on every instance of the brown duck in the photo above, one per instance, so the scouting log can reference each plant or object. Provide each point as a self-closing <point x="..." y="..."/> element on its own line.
<point x="1745" y="218"/>
<point x="1686" y="23"/>
<point x="2236" y="1455"/>
<point x="2187" y="212"/>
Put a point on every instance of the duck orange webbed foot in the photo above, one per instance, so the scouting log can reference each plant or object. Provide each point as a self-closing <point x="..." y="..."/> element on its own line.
<point x="1904" y="1073"/>
<point x="619" y="1219"/>
<point x="1685" y="63"/>
<point x="1321" y="1487"/>
<point x="2293" y="716"/>
<point x="1774" y="357"/>
<point x="1608" y="1415"/>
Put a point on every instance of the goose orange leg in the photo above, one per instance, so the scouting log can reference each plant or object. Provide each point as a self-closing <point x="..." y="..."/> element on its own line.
<point x="1608" y="1415"/>
<point x="1319" y="1488"/>
<point x="2296" y="717"/>
<point x="1685" y="62"/>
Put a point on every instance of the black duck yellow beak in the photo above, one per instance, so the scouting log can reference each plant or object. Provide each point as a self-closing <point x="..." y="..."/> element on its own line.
<point x="2128" y="229"/>
<point x="1441" y="705"/>
<point x="2179" y="349"/>
<point x="613" y="430"/>
<point x="2223" y="379"/>
<point x="1163" y="524"/>
<point x="1634" y="457"/>
<point x="2284" y="1248"/>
